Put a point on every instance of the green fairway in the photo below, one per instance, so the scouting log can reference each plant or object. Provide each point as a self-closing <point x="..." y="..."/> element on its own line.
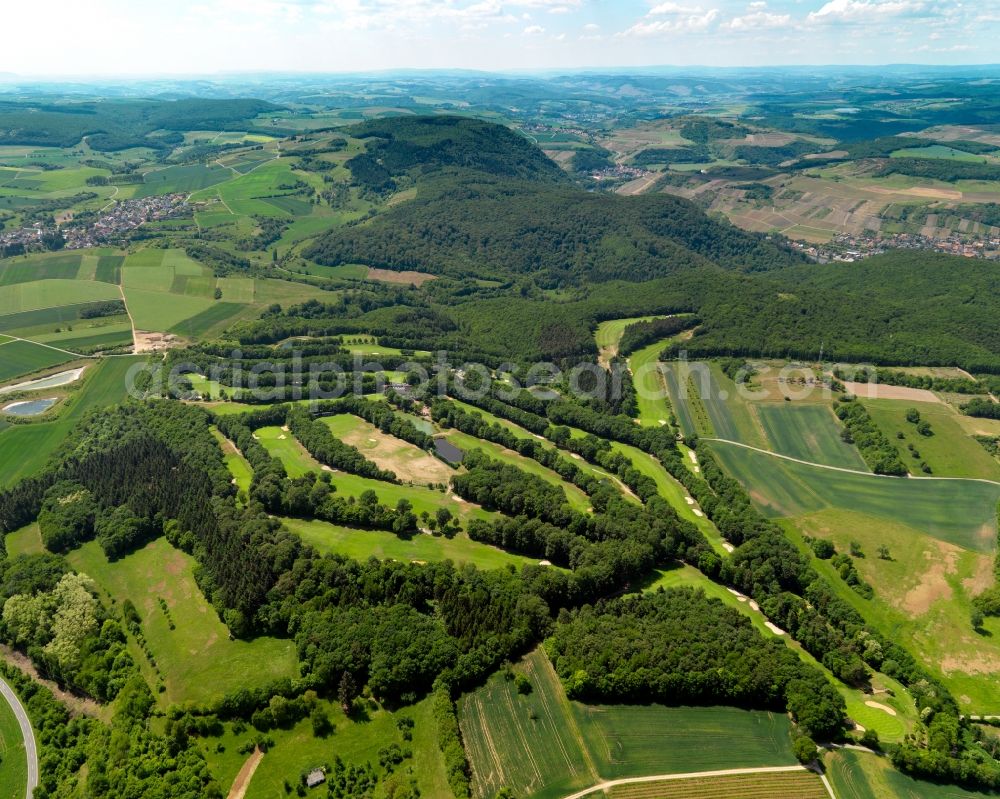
<point x="25" y="448"/>
<point x="609" y="334"/>
<point x="650" y="385"/>
<point x="364" y="544"/>
<point x="950" y="451"/>
<point x="13" y="761"/>
<point x="810" y="433"/>
<point x="235" y="462"/>
<point x="23" y="357"/>
<point x="672" y="491"/>
<point x="962" y="512"/>
<point x="197" y="661"/>
<point x="544" y="746"/>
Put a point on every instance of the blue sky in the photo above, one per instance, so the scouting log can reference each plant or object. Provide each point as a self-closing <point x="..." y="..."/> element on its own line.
<point x="204" y="36"/>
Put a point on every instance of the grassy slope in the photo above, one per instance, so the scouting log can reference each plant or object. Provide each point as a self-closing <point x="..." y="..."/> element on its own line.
<point x="950" y="452"/>
<point x="25" y="448"/>
<point x="198" y="660"/>
<point x="859" y="775"/>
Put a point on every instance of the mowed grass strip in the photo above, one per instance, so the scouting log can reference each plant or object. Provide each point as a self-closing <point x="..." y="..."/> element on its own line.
<point x="297" y="461"/>
<point x="198" y="660"/>
<point x="810" y="433"/>
<point x="781" y="785"/>
<point x="421" y="548"/>
<point x="650" y="384"/>
<point x="961" y="512"/>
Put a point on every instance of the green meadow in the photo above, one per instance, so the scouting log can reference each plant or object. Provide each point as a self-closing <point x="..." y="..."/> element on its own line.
<point x="196" y="660"/>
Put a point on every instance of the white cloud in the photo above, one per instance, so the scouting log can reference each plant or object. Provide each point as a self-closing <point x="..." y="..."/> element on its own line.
<point x="672" y="8"/>
<point x="591" y="27"/>
<point x="693" y="21"/>
<point x="533" y="30"/>
<point x="759" y="20"/>
<point x="865" y="10"/>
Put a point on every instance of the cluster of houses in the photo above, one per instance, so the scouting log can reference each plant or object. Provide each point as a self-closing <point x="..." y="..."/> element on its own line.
<point x="853" y="247"/>
<point x="123" y="217"/>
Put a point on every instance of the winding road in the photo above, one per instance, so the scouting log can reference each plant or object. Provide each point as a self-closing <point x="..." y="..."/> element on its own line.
<point x="30" y="748"/>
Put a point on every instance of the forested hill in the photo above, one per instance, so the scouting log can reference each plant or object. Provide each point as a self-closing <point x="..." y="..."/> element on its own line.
<point x="499" y="228"/>
<point x="426" y="143"/>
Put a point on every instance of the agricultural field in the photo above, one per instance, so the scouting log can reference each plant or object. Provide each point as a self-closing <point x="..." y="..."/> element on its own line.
<point x="708" y="403"/>
<point x="544" y="746"/>
<point x="960" y="512"/>
<point x="19" y="357"/>
<point x="196" y="659"/>
<point x="810" y="433"/>
<point x="13" y="762"/>
<point x="796" y="784"/>
<point x="421" y="548"/>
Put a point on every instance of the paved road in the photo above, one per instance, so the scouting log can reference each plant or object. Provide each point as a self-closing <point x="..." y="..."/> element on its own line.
<point x="602" y="786"/>
<point x="30" y="749"/>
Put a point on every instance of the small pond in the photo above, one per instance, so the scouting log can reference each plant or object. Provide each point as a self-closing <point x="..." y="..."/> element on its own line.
<point x="30" y="407"/>
<point x="448" y="451"/>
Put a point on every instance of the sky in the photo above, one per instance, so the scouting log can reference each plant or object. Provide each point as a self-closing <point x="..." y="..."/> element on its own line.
<point x="156" y="37"/>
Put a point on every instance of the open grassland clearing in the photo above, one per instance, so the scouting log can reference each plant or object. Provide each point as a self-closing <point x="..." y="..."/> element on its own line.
<point x="799" y="784"/>
<point x="24" y="448"/>
<point x="923" y="597"/>
<point x="296" y="750"/>
<point x="862" y="775"/>
<point x="195" y="656"/>
<point x="949" y="451"/>
<point x="960" y="512"/>
<point x="810" y="433"/>
<point x="13" y="760"/>
<point x="408" y="462"/>
<point x="421" y="548"/>
<point x="609" y="334"/>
